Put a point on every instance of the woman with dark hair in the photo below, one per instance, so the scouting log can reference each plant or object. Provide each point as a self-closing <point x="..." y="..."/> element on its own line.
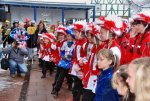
<point x="40" y="30"/>
<point x="140" y="46"/>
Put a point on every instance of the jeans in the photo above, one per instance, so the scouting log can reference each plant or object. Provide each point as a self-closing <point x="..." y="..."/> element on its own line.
<point x="31" y="53"/>
<point x="13" y="65"/>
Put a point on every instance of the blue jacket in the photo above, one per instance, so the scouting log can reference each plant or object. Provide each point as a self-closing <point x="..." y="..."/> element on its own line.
<point x="104" y="90"/>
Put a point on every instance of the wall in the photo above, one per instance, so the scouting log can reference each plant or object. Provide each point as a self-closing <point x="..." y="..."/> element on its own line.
<point x="52" y="15"/>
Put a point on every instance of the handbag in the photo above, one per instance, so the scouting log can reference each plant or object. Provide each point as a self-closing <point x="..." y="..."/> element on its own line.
<point x="5" y="63"/>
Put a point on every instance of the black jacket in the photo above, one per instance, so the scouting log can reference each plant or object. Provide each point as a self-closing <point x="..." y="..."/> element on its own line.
<point x="32" y="41"/>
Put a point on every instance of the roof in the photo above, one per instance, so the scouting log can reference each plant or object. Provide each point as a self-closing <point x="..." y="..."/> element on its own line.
<point x="53" y="5"/>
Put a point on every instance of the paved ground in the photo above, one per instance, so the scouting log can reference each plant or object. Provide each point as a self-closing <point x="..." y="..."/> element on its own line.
<point x="40" y="89"/>
<point x="10" y="88"/>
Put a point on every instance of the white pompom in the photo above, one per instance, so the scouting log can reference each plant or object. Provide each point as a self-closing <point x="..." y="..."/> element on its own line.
<point x="118" y="32"/>
<point x="53" y="47"/>
<point x="116" y="51"/>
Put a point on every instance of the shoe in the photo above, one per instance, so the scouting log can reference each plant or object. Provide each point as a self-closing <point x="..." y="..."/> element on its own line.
<point x="43" y="76"/>
<point x="12" y="75"/>
<point x="23" y="74"/>
<point x="19" y="74"/>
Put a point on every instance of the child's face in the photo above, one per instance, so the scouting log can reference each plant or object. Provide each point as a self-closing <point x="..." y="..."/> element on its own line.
<point x="121" y="88"/>
<point x="60" y="36"/>
<point x="69" y="37"/>
<point x="46" y="40"/>
<point x="140" y="28"/>
<point x="104" y="35"/>
<point x="103" y="62"/>
<point x="90" y="38"/>
<point x="77" y="34"/>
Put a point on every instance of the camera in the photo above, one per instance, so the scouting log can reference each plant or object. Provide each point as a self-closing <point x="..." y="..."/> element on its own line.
<point x="16" y="43"/>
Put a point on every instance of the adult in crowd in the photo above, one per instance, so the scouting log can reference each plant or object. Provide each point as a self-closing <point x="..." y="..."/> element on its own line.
<point x="32" y="41"/>
<point x="27" y="23"/>
<point x="40" y="30"/>
<point x="20" y="34"/>
<point x="5" y="33"/>
<point x="16" y="59"/>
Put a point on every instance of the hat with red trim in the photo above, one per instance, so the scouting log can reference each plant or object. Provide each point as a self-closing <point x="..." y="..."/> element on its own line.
<point x="145" y="17"/>
<point x="79" y="25"/>
<point x="112" y="23"/>
<point x="61" y="29"/>
<point x="93" y="29"/>
<point x="49" y="36"/>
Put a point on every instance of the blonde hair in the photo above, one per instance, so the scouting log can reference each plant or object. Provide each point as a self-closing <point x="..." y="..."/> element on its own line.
<point x="142" y="81"/>
<point x="110" y="56"/>
<point x="120" y="73"/>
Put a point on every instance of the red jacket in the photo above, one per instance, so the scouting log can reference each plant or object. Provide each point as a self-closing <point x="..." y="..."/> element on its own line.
<point x="143" y="46"/>
<point x="59" y="46"/>
<point x="123" y="43"/>
<point x="78" y="54"/>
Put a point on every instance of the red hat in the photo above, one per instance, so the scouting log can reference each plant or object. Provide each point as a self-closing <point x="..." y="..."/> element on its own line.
<point x="142" y="17"/>
<point x="93" y="29"/>
<point x="112" y="23"/>
<point x="52" y="25"/>
<point x="27" y="19"/>
<point x="105" y="23"/>
<point x="79" y="25"/>
<point x="100" y="20"/>
<point x="88" y="27"/>
<point x="61" y="29"/>
<point x="49" y="36"/>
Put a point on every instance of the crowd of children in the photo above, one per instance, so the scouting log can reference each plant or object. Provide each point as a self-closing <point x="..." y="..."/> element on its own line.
<point x="94" y="58"/>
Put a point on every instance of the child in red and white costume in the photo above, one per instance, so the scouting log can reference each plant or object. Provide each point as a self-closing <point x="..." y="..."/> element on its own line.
<point x="131" y="38"/>
<point x="61" y="34"/>
<point x="41" y="49"/>
<point x="141" y="45"/>
<point x="67" y="52"/>
<point x="123" y="41"/>
<point x="111" y="27"/>
<point x="79" y="53"/>
<point x="48" y="57"/>
<point x="61" y="38"/>
<point x="90" y="70"/>
<point x="109" y="30"/>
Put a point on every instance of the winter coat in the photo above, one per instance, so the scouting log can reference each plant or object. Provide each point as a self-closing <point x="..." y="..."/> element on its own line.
<point x="104" y="90"/>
